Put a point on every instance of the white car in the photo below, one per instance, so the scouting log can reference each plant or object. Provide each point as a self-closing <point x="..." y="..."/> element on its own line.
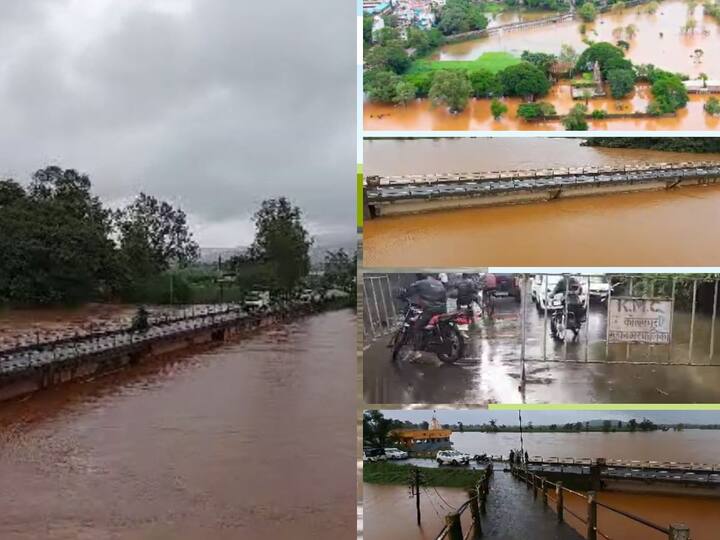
<point x="599" y="287"/>
<point x="452" y="457"/>
<point x="395" y="453"/>
<point x="543" y="286"/>
<point x="374" y="455"/>
<point x="257" y="300"/>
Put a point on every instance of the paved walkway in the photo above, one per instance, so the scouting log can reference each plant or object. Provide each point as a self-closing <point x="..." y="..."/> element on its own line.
<point x="512" y="513"/>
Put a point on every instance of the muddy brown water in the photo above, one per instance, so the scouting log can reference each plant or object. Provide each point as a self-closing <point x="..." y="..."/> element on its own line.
<point x="251" y="439"/>
<point x="674" y="51"/>
<point x="659" y="228"/>
<point x="389" y="513"/>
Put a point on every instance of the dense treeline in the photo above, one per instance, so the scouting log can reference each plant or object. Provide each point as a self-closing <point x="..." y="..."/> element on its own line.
<point x="675" y="144"/>
<point x="61" y="245"/>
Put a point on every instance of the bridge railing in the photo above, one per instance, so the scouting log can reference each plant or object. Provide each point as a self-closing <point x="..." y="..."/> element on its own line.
<point x="637" y="464"/>
<point x="554" y="494"/>
<point x="476" y="505"/>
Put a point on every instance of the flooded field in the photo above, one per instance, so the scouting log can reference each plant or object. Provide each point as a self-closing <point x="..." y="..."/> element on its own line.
<point x="662" y="228"/>
<point x="421" y="115"/>
<point x="229" y="442"/>
<point x="659" y="39"/>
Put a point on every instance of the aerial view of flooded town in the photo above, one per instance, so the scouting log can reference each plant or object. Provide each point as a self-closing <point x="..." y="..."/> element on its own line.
<point x="445" y="202"/>
<point x="541" y="65"/>
<point x="567" y="475"/>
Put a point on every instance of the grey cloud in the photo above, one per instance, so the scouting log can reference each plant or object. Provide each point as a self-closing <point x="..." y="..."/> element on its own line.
<point x="216" y="108"/>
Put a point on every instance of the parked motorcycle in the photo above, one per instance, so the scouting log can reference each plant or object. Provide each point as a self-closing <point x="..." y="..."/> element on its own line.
<point x="564" y="319"/>
<point x="441" y="335"/>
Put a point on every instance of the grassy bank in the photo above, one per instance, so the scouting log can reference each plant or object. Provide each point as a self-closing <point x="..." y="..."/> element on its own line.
<point x="395" y="474"/>
<point x="492" y="61"/>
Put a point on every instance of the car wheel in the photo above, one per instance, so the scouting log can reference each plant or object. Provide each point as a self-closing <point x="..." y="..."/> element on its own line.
<point x="454" y="462"/>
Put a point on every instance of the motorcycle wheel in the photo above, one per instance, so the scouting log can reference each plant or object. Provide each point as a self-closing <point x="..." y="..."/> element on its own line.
<point x="555" y="332"/>
<point x="400" y="342"/>
<point x="452" y="334"/>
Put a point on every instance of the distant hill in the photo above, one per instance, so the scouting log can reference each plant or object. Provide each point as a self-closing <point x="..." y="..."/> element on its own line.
<point x="323" y="243"/>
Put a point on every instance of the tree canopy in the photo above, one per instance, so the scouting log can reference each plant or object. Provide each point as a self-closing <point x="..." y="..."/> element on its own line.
<point x="524" y="79"/>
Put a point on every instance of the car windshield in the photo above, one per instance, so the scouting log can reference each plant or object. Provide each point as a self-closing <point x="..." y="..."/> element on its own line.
<point x="598" y="280"/>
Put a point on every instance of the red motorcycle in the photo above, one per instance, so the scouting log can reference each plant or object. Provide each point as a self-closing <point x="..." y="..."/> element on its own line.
<point x="441" y="335"/>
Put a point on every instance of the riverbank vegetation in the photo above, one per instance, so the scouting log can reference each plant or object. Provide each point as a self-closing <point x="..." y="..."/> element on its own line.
<point x="667" y="144"/>
<point x="397" y="474"/>
<point x="62" y="245"/>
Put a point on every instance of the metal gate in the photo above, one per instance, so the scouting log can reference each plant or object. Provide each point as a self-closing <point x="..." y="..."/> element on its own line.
<point x="522" y="324"/>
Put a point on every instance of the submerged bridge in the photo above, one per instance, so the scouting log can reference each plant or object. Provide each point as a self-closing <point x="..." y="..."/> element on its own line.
<point x="387" y="195"/>
<point x="31" y="365"/>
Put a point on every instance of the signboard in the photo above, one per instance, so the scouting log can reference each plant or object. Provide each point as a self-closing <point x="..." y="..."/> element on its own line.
<point x="640" y="320"/>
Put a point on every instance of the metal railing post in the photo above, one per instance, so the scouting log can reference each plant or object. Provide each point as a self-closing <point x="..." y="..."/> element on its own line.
<point x="679" y="531"/>
<point x="587" y="319"/>
<point x="712" y="324"/>
<point x="377" y="305"/>
<point x="543" y="488"/>
<point x="544" y="283"/>
<point x="559" y="501"/>
<point x="672" y="318"/>
<point x="454" y="526"/>
<point x="522" y="326"/>
<point x="567" y="291"/>
<point x="591" y="516"/>
<point x="692" y="322"/>
<point x="385" y="309"/>
<point x="627" y="347"/>
<point x="475" y="512"/>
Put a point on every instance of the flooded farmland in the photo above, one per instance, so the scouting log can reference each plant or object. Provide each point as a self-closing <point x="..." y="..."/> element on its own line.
<point x="659" y="228"/>
<point x="222" y="442"/>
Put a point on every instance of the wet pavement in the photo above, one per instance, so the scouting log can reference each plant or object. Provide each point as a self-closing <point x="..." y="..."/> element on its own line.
<point x="574" y="371"/>
<point x="251" y="439"/>
<point x="512" y="513"/>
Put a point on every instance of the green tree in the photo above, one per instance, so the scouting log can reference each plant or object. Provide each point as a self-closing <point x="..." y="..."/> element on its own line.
<point x="587" y="12"/>
<point x="712" y="106"/>
<point x="376" y="429"/>
<point x="537" y="110"/>
<point x="153" y="235"/>
<point x="422" y="81"/>
<point x="669" y="93"/>
<point x="524" y="79"/>
<point x="381" y="85"/>
<point x="621" y="81"/>
<point x="575" y="120"/>
<point x="390" y="57"/>
<point x="56" y="242"/>
<point x="606" y="425"/>
<point x="542" y="61"/>
<point x="485" y="83"/>
<point x="606" y="54"/>
<point x="281" y="242"/>
<point x="497" y="108"/>
<point x="367" y="30"/>
<point x="340" y="269"/>
<point x="451" y="88"/>
<point x="404" y="92"/>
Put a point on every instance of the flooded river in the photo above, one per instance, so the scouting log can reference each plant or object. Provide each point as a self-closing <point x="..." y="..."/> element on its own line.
<point x="661" y="228"/>
<point x="246" y="440"/>
<point x="389" y="513"/>
<point x="659" y="40"/>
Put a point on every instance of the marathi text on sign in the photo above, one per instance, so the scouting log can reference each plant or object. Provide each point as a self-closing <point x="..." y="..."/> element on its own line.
<point x="640" y="320"/>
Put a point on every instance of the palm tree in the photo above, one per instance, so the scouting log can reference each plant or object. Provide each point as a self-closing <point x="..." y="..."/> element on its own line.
<point x="617" y="33"/>
<point x="631" y="31"/>
<point x="704" y="78"/>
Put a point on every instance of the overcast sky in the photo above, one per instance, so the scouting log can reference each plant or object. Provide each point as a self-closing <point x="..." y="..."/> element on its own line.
<point x="477" y="416"/>
<point x="214" y="105"/>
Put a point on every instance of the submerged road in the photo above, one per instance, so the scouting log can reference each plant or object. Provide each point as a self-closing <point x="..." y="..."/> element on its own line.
<point x="556" y="372"/>
<point x="252" y="439"/>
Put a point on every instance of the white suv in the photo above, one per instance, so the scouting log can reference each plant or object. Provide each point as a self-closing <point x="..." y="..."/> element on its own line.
<point x="452" y="457"/>
<point x="395" y="453"/>
<point x="543" y="286"/>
